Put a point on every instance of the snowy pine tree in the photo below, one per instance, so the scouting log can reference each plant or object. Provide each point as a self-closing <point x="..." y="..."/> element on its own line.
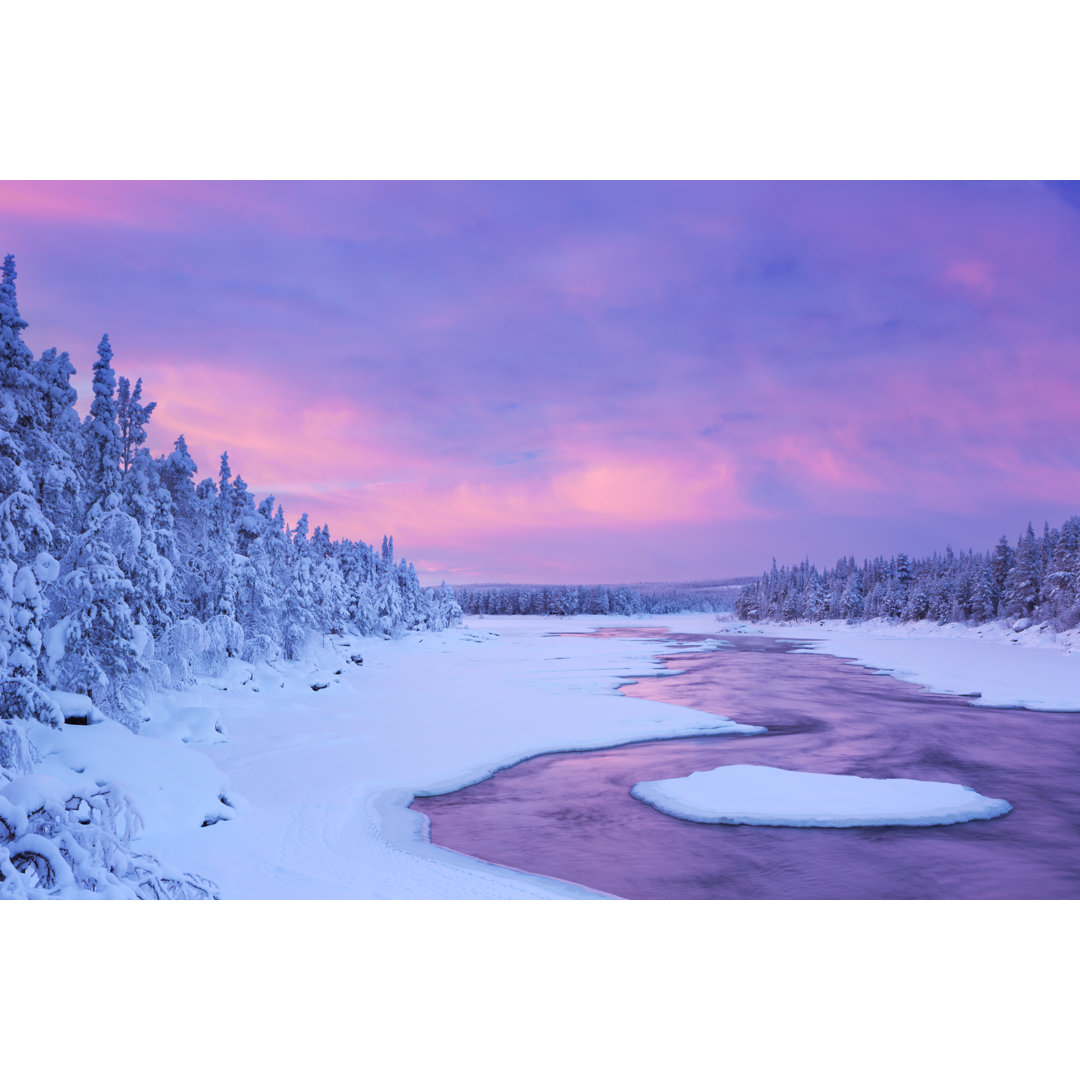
<point x="1021" y="592"/>
<point x="96" y="647"/>
<point x="131" y="419"/>
<point x="54" y="474"/>
<point x="100" y="435"/>
<point x="26" y="567"/>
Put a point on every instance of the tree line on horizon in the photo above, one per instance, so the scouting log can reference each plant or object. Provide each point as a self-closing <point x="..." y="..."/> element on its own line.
<point x="589" y="600"/>
<point x="1037" y="581"/>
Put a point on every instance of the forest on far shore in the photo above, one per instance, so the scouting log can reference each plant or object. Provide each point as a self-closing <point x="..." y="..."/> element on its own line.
<point x="1037" y="581"/>
<point x="645" y="598"/>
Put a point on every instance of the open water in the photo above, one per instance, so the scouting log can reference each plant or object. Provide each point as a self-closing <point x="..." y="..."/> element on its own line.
<point x="570" y="815"/>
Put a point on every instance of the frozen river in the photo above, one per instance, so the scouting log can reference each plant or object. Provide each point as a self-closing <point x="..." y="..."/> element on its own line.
<point x="570" y="815"/>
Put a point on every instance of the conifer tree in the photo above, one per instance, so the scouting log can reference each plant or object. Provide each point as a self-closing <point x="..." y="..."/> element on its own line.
<point x="17" y="383"/>
<point x="131" y="419"/>
<point x="263" y="577"/>
<point x="1001" y="564"/>
<point x="26" y="566"/>
<point x="54" y="473"/>
<point x="297" y="613"/>
<point x="100" y="434"/>
<point x="1021" y="592"/>
<point x="144" y="497"/>
<point x="98" y="647"/>
<point x="851" y="602"/>
<point x="223" y="546"/>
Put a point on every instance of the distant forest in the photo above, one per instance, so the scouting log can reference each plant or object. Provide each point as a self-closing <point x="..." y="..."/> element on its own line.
<point x="1035" y="581"/>
<point x="647" y="598"/>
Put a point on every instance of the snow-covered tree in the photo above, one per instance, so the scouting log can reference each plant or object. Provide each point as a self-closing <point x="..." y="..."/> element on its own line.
<point x="1021" y="592"/>
<point x="131" y="419"/>
<point x="53" y="471"/>
<point x="26" y="566"/>
<point x="96" y="646"/>
<point x="151" y="568"/>
<point x="20" y="401"/>
<point x="100" y="440"/>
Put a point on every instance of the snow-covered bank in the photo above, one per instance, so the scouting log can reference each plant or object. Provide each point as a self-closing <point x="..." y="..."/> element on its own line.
<point x="321" y="780"/>
<point x="762" y="795"/>
<point x="1032" y="669"/>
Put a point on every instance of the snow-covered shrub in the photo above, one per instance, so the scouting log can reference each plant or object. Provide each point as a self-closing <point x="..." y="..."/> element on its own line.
<point x="17" y="754"/>
<point x="132" y="700"/>
<point x="224" y="639"/>
<point x="159" y="675"/>
<point x="32" y="862"/>
<point x="12" y="821"/>
<point x="259" y="648"/>
<point x="22" y="698"/>
<point x="55" y="842"/>
<point x="183" y="642"/>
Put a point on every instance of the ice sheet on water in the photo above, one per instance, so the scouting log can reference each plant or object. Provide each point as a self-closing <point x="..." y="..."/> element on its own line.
<point x="763" y="795"/>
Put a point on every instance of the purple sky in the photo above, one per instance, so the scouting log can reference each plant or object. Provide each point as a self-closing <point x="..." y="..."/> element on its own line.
<point x="590" y="381"/>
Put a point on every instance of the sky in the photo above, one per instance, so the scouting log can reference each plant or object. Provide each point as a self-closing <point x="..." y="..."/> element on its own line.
<point x="589" y="381"/>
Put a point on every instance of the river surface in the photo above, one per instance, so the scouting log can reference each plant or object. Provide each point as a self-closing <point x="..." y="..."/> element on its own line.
<point x="571" y="816"/>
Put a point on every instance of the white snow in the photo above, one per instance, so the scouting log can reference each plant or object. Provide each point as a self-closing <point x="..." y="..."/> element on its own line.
<point x="763" y="795"/>
<point x="77" y="705"/>
<point x="1032" y="669"/>
<point x="174" y="789"/>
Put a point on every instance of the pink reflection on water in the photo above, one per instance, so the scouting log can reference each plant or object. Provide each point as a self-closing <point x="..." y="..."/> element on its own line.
<point x="571" y="815"/>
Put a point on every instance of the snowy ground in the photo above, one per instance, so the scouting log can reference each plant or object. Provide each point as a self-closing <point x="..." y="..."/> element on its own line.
<point x="306" y="791"/>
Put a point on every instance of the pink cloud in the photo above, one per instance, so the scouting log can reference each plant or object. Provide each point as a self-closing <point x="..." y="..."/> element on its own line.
<point x="523" y="369"/>
<point x="837" y="463"/>
<point x="157" y="205"/>
<point x="972" y="274"/>
<point x="279" y="446"/>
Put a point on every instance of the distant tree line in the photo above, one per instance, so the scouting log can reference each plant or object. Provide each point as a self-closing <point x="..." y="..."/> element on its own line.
<point x="1037" y="581"/>
<point x="588" y="600"/>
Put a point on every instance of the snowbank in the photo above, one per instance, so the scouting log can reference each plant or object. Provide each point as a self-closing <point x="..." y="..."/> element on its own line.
<point x="77" y="708"/>
<point x="173" y="788"/>
<point x="995" y="665"/>
<point x="763" y="795"/>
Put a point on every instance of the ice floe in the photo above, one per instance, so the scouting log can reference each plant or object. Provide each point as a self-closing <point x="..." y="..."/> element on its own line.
<point x="763" y="795"/>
